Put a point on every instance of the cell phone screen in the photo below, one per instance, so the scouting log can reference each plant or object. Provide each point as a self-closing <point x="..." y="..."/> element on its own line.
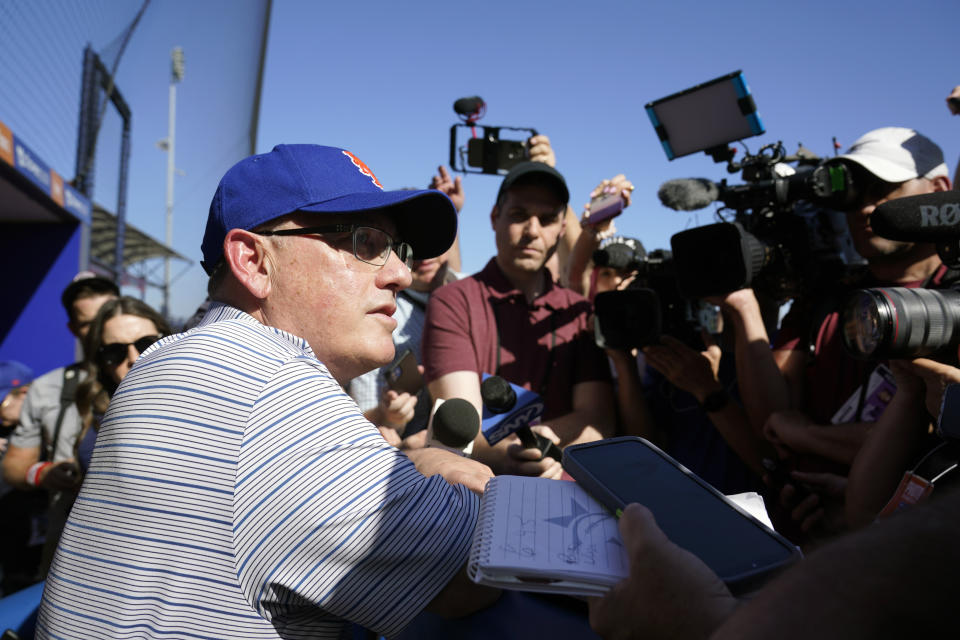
<point x="688" y="510"/>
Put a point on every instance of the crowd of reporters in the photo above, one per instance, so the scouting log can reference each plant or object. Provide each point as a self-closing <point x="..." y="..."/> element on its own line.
<point x="831" y="440"/>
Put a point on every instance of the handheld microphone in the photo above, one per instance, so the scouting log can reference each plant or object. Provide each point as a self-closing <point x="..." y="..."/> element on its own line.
<point x="688" y="194"/>
<point x="929" y="217"/>
<point x="508" y="409"/>
<point x="453" y="426"/>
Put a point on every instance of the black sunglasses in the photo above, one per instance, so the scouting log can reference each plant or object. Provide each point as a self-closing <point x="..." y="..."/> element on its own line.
<point x="110" y="354"/>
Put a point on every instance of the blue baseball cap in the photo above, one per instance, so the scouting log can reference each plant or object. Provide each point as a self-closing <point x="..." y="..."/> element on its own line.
<point x="13" y="374"/>
<point x="307" y="177"/>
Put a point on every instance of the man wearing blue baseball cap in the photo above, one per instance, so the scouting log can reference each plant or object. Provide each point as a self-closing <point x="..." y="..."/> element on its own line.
<point x="236" y="490"/>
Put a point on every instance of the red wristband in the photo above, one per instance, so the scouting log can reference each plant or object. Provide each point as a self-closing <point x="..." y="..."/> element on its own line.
<point x="33" y="473"/>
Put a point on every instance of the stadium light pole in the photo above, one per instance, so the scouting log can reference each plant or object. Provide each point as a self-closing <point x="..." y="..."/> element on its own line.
<point x="176" y="75"/>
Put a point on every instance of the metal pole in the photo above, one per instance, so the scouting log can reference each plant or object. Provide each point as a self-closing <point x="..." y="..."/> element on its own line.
<point x="171" y="130"/>
<point x="176" y="75"/>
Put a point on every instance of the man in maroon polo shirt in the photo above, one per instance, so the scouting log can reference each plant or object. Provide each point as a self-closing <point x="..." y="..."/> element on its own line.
<point x="513" y="320"/>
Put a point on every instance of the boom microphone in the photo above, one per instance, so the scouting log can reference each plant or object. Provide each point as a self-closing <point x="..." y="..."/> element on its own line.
<point x="453" y="426"/>
<point x="929" y="217"/>
<point x="688" y="194"/>
<point x="508" y="409"/>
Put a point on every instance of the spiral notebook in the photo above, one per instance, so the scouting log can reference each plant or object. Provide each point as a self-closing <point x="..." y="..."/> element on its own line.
<point x="551" y="536"/>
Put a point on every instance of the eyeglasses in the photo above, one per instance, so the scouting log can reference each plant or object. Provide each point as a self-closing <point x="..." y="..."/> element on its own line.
<point x="114" y="353"/>
<point x="370" y="245"/>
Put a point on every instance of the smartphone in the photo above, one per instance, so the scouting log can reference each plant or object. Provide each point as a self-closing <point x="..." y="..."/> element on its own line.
<point x="736" y="546"/>
<point x="404" y="375"/>
<point x="605" y="207"/>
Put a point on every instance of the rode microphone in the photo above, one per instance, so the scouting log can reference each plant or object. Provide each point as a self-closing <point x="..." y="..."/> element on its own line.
<point x="508" y="409"/>
<point x="929" y="217"/>
<point x="453" y="426"/>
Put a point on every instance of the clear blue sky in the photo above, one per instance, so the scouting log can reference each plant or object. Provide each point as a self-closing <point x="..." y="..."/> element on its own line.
<point x="380" y="78"/>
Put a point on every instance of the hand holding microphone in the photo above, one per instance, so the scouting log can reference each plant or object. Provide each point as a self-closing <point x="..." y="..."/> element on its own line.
<point x="508" y="409"/>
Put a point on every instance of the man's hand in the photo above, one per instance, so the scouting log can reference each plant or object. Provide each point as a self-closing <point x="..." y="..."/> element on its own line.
<point x="823" y="508"/>
<point x="455" y="469"/>
<point x="670" y="592"/>
<point x="936" y="376"/>
<point x="396" y="409"/>
<point x="61" y="476"/>
<point x="540" y="150"/>
<point x="528" y="462"/>
<point x="953" y="101"/>
<point x="694" y="372"/>
<point x="452" y="188"/>
<point x="788" y="431"/>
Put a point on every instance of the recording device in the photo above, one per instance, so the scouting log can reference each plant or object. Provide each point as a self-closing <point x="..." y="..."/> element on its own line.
<point x="604" y="207"/>
<point x="706" y="117"/>
<point x="489" y="152"/>
<point x="784" y="234"/>
<point x="404" y="375"/>
<point x="651" y="305"/>
<point x="453" y="426"/>
<point x="508" y="409"/>
<point x="899" y="322"/>
<point x="929" y="217"/>
<point x="740" y="549"/>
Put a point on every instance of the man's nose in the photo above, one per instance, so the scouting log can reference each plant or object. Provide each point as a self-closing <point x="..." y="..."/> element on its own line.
<point x="533" y="226"/>
<point x="395" y="272"/>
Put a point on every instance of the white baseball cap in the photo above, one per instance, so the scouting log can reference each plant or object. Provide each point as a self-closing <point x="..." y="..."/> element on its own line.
<point x="897" y="154"/>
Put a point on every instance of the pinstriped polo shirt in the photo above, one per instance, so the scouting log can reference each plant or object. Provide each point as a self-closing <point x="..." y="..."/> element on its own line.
<point x="237" y="492"/>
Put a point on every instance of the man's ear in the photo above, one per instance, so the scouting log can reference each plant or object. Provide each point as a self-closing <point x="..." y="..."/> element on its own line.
<point x="941" y="183"/>
<point x="248" y="260"/>
<point x="494" y="214"/>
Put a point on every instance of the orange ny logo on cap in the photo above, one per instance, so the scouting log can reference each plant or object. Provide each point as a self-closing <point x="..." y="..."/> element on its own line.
<point x="364" y="169"/>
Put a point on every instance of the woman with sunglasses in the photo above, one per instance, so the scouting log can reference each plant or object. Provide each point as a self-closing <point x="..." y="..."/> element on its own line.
<point x="123" y="329"/>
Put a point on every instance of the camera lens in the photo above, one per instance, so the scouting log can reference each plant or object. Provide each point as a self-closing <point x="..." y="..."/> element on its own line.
<point x="896" y="322"/>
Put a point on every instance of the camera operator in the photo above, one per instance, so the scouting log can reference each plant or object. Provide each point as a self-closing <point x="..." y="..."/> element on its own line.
<point x="794" y="395"/>
<point x="887" y="163"/>
<point x="513" y="320"/>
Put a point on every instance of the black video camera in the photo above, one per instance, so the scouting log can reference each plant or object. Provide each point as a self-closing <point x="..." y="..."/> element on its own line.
<point x="489" y="152"/>
<point x="900" y="322"/>
<point x="784" y="236"/>
<point x="650" y="306"/>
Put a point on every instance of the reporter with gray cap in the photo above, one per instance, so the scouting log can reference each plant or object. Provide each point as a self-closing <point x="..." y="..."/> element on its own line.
<point x="236" y="490"/>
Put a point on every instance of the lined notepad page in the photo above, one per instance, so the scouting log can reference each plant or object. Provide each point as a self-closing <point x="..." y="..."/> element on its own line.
<point x="548" y="527"/>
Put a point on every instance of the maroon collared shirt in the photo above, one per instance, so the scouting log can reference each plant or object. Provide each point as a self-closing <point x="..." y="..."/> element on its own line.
<point x="467" y="319"/>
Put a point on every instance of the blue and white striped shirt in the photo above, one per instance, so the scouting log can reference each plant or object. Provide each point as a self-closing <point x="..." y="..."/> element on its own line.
<point x="237" y="492"/>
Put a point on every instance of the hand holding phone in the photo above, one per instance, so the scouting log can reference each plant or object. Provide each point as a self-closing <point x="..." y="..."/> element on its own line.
<point x="404" y="375"/>
<point x="694" y="515"/>
<point x="609" y="199"/>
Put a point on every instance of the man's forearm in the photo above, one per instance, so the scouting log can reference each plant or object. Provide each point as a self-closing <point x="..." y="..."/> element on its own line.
<point x="763" y="387"/>
<point x="837" y="442"/>
<point x="16" y="463"/>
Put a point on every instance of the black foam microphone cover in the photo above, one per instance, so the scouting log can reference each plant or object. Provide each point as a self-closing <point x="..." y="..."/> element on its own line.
<point x="456" y="423"/>
<point x="497" y="394"/>
<point x="929" y="217"/>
